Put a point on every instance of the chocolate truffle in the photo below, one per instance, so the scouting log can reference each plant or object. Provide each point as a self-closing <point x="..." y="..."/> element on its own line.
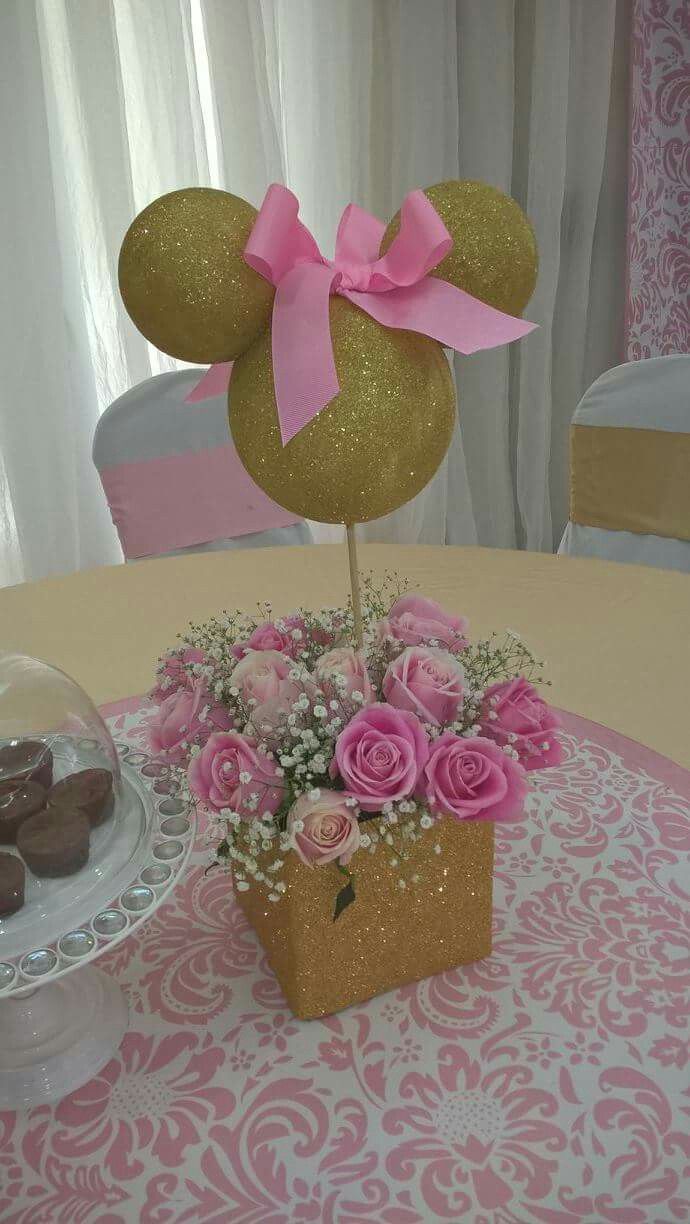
<point x="26" y="761"/>
<point x="55" y="842"/>
<point x="18" y="801"/>
<point x="12" y="876"/>
<point x="90" y="790"/>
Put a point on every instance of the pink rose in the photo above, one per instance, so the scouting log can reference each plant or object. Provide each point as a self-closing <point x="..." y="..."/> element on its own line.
<point x="380" y="755"/>
<point x="322" y="637"/>
<point x="185" y="717"/>
<point x="349" y="663"/>
<point x="523" y="720"/>
<point x="230" y="770"/>
<point x="472" y="779"/>
<point x="428" y="682"/>
<point x="331" y="828"/>
<point x="295" y="621"/>
<point x="416" y="621"/>
<point x="268" y="636"/>
<point x="172" y="672"/>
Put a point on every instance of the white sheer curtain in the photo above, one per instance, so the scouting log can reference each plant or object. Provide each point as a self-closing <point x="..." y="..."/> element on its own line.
<point x="107" y="103"/>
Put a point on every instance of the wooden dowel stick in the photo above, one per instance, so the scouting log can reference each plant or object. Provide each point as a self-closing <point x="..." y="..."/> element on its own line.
<point x="354" y="584"/>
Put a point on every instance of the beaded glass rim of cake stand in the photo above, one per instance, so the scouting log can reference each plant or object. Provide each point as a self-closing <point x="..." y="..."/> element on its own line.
<point x="171" y="840"/>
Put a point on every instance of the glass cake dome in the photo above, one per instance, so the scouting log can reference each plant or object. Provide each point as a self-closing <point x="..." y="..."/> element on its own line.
<point x="44" y="714"/>
<point x="74" y="823"/>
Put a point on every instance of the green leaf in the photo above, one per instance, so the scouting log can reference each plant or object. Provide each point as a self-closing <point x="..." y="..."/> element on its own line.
<point x="345" y="897"/>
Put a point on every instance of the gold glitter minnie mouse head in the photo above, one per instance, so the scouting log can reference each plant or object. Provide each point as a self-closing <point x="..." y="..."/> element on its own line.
<point x="380" y="440"/>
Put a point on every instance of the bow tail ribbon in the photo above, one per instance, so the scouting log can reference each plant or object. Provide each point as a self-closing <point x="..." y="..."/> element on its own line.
<point x="214" y="382"/>
<point x="304" y="372"/>
<point x="443" y="312"/>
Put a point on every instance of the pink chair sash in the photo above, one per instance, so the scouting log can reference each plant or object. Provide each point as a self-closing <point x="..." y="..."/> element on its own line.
<point x="175" y="501"/>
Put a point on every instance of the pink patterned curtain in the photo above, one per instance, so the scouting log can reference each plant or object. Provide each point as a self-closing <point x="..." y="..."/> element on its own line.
<point x="658" y="298"/>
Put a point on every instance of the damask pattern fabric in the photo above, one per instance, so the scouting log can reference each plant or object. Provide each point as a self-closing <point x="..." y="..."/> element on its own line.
<point x="658" y="305"/>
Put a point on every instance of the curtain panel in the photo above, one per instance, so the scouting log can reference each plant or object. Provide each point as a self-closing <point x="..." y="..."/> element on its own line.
<point x="108" y="103"/>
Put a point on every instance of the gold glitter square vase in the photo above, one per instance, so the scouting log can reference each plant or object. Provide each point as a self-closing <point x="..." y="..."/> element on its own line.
<point x="389" y="935"/>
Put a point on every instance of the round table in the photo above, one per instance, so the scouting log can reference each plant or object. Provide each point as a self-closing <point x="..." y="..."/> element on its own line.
<point x="543" y="1083"/>
<point x="615" y="637"/>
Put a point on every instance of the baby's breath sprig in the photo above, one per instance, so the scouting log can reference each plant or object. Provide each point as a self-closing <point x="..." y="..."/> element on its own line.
<point x="492" y="659"/>
<point x="393" y="833"/>
<point x="379" y="594"/>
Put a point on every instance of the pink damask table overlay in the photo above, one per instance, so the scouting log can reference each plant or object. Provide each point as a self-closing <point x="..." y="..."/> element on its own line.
<point x="657" y="319"/>
<point x="547" y="1083"/>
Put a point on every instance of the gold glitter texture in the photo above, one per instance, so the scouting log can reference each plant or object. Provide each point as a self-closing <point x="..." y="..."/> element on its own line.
<point x="375" y="446"/>
<point x="494" y="253"/>
<point x="183" y="279"/>
<point x="388" y="936"/>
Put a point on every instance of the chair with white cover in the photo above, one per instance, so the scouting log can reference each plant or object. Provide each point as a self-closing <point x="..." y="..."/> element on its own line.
<point x="630" y="466"/>
<point x="173" y="479"/>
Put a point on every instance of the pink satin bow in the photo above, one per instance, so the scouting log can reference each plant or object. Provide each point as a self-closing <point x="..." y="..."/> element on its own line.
<point x="395" y="289"/>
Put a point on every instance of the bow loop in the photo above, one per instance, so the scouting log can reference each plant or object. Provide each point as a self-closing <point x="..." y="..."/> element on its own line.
<point x="358" y="238"/>
<point x="278" y="239"/>
<point x="420" y="244"/>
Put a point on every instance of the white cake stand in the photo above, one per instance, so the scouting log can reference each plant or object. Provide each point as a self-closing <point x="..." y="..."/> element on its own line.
<point x="61" y="1019"/>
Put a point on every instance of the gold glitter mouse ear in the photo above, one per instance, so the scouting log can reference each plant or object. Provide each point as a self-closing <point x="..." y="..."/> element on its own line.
<point x="184" y="282"/>
<point x="494" y="253"/>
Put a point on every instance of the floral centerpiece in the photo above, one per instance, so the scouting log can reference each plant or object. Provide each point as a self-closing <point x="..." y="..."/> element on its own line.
<point x="352" y="766"/>
<point x="330" y="771"/>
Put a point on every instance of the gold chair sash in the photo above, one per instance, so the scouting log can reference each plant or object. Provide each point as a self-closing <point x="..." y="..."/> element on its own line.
<point x="630" y="480"/>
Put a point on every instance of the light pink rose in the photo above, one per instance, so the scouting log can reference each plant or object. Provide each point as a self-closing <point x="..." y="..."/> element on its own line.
<point x="348" y="662"/>
<point x="428" y="682"/>
<point x="186" y="716"/>
<point x="172" y="673"/>
<point x="215" y="776"/>
<point x="264" y="675"/>
<point x="472" y="779"/>
<point x="331" y="828"/>
<point x="523" y="720"/>
<point x="380" y="755"/>
<point x="417" y="621"/>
